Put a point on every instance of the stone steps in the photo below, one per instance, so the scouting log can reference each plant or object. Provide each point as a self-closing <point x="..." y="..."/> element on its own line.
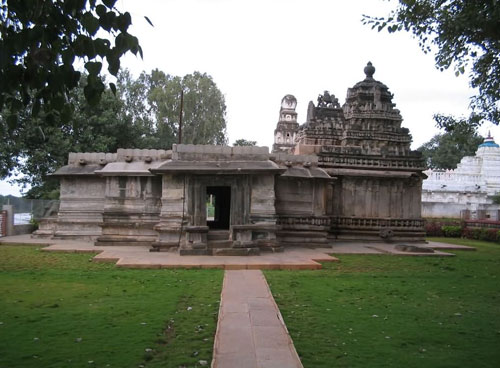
<point x="218" y="235"/>
<point x="220" y="244"/>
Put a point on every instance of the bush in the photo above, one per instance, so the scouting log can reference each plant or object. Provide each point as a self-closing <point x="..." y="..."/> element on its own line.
<point x="433" y="229"/>
<point x="35" y="223"/>
<point x="488" y="234"/>
<point x="452" y="231"/>
<point x="481" y="233"/>
<point x="472" y="233"/>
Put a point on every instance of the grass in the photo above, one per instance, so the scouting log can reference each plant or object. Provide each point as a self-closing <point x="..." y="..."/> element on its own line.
<point x="390" y="311"/>
<point x="61" y="310"/>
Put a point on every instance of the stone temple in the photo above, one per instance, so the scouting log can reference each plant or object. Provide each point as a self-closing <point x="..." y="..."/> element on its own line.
<point x="468" y="191"/>
<point x="346" y="174"/>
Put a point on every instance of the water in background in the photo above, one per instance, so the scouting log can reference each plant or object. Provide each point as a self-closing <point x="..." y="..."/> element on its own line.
<point x="22" y="218"/>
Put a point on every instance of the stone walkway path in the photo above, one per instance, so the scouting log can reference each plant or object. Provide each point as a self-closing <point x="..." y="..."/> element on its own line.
<point x="250" y="331"/>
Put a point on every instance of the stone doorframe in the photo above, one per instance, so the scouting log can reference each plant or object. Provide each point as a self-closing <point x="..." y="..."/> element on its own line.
<point x="196" y="189"/>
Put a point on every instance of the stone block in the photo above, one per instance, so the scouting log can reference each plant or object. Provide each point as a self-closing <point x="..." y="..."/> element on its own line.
<point x="236" y="252"/>
<point x="194" y="252"/>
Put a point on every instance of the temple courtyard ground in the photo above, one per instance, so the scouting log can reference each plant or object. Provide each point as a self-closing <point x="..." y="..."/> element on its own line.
<point x="366" y="308"/>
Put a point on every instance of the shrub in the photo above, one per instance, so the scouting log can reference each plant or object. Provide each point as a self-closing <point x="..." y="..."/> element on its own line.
<point x="35" y="223"/>
<point x="471" y="233"/>
<point x="433" y="229"/>
<point x="488" y="234"/>
<point x="452" y="231"/>
<point x="481" y="233"/>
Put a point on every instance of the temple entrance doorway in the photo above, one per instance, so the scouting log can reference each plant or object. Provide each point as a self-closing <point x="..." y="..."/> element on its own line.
<point x="218" y="203"/>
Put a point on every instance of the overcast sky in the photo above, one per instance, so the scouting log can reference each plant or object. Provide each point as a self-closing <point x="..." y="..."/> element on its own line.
<point x="258" y="51"/>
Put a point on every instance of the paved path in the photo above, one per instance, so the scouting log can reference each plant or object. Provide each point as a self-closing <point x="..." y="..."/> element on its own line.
<point x="250" y="331"/>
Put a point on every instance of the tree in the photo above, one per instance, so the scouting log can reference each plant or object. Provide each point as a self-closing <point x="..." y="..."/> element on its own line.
<point x="40" y="41"/>
<point x="38" y="148"/>
<point x="462" y="33"/>
<point x="142" y="114"/>
<point x="134" y="94"/>
<point x="204" y="109"/>
<point x="445" y="150"/>
<point x="244" y="142"/>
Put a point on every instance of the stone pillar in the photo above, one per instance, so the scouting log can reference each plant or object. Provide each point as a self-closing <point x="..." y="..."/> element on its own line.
<point x="173" y="210"/>
<point x="263" y="212"/>
<point x="9" y="228"/>
<point x="263" y="199"/>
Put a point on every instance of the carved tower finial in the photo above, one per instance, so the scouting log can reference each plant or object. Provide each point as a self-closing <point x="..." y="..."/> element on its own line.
<point x="369" y="70"/>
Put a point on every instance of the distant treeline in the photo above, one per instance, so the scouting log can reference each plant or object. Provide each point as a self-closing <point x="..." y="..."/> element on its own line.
<point x="13" y="200"/>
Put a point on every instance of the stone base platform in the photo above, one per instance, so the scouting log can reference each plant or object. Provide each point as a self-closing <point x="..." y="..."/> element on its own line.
<point x="141" y="257"/>
<point x="394" y="248"/>
<point x="292" y="258"/>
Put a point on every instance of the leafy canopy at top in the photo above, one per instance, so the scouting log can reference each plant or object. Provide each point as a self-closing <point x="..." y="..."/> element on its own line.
<point x="244" y="142"/>
<point x="40" y="41"/>
<point x="464" y="34"/>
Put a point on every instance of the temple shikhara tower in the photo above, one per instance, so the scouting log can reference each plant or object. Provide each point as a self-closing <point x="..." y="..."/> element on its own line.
<point x="346" y="174"/>
<point x="378" y="179"/>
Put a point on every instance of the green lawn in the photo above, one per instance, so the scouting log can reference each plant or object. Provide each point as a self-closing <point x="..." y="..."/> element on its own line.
<point x="61" y="310"/>
<point x="391" y="311"/>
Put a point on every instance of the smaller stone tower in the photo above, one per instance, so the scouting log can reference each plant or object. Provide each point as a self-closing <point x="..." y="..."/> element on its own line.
<point x="284" y="134"/>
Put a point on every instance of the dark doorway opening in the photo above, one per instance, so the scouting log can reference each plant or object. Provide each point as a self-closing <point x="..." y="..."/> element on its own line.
<point x="218" y="207"/>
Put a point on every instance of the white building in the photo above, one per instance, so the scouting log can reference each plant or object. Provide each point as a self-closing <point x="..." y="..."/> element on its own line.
<point x="468" y="190"/>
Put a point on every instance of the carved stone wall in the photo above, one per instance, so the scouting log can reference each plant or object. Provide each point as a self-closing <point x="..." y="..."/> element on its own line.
<point x="81" y="196"/>
<point x="301" y="202"/>
<point x="82" y="204"/>
<point x="132" y="198"/>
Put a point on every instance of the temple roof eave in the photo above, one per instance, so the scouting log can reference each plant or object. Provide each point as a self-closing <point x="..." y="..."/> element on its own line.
<point x="374" y="173"/>
<point x="76" y="170"/>
<point x="137" y="168"/>
<point x="218" y="167"/>
<point x="306" y="173"/>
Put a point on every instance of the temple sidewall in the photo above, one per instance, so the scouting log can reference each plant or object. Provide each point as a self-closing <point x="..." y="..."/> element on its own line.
<point x="81" y="207"/>
<point x="131" y="210"/>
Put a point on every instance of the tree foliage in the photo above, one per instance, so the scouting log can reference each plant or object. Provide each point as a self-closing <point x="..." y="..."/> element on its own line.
<point x="40" y="42"/>
<point x="153" y="101"/>
<point x="244" y="142"/>
<point x="464" y="34"/>
<point x="142" y="114"/>
<point x="37" y="149"/>
<point x="445" y="150"/>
